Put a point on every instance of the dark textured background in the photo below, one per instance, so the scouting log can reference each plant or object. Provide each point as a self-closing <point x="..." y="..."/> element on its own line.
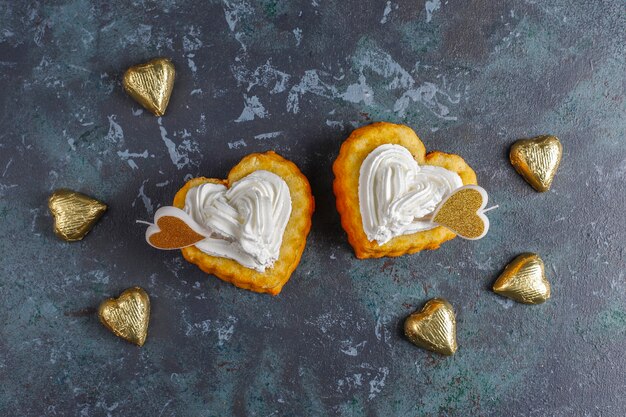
<point x="469" y="76"/>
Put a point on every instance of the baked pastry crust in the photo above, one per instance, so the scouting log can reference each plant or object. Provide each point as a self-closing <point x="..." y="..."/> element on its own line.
<point x="294" y="238"/>
<point x="347" y="168"/>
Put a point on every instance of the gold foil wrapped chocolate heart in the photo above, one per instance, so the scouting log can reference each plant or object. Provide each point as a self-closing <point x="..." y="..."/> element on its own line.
<point x="524" y="280"/>
<point x="433" y="328"/>
<point x="74" y="213"/>
<point x="128" y="315"/>
<point x="537" y="160"/>
<point x="151" y="84"/>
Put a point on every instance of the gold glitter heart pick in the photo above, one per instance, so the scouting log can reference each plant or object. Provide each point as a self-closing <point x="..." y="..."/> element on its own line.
<point x="74" y="213"/>
<point x="433" y="328"/>
<point x="128" y="315"/>
<point x="173" y="229"/>
<point x="151" y="84"/>
<point x="524" y="280"/>
<point x="462" y="212"/>
<point x="537" y="160"/>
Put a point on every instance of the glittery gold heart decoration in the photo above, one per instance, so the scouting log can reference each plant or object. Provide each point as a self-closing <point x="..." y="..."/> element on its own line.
<point x="128" y="315"/>
<point x="173" y="228"/>
<point x="433" y="328"/>
<point x="524" y="280"/>
<point x="462" y="212"/>
<point x="74" y="213"/>
<point x="537" y="160"/>
<point x="151" y="84"/>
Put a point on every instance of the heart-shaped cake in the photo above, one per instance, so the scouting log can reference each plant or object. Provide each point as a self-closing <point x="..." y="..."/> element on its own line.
<point x="254" y="223"/>
<point x="387" y="189"/>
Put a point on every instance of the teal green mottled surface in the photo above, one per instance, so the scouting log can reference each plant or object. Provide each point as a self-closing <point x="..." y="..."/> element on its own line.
<point x="296" y="77"/>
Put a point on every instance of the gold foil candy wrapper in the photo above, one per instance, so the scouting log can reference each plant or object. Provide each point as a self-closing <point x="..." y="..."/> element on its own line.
<point x="433" y="328"/>
<point x="74" y="213"/>
<point x="524" y="280"/>
<point x="128" y="315"/>
<point x="537" y="160"/>
<point x="151" y="84"/>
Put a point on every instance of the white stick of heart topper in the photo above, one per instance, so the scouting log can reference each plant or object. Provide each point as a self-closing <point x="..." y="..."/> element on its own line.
<point x="463" y="212"/>
<point x="173" y="229"/>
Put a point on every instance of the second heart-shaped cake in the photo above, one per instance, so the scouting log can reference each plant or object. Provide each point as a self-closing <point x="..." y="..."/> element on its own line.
<point x="255" y="222"/>
<point x="387" y="188"/>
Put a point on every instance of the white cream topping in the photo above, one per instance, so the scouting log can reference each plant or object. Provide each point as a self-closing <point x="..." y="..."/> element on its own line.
<point x="245" y="222"/>
<point x="397" y="196"/>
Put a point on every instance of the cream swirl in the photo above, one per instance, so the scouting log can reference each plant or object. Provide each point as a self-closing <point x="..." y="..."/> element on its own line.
<point x="397" y="196"/>
<point x="245" y="222"/>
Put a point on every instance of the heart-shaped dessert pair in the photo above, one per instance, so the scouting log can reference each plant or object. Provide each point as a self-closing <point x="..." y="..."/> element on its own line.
<point x="394" y="198"/>
<point x="249" y="229"/>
